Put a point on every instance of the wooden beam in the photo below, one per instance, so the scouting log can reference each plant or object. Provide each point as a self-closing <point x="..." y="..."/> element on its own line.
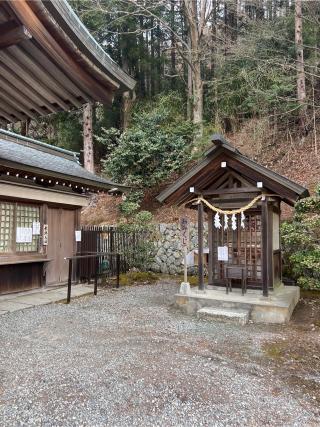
<point x="12" y="33"/>
<point x="265" y="247"/>
<point x="235" y="190"/>
<point x="42" y="75"/>
<point x="12" y="111"/>
<point x="43" y="36"/>
<point x="200" y="247"/>
<point x="26" y="89"/>
<point x="29" y="77"/>
<point x="9" y="90"/>
<point x="8" y="100"/>
<point x="5" y="115"/>
<point x="210" y="245"/>
<point x="40" y="57"/>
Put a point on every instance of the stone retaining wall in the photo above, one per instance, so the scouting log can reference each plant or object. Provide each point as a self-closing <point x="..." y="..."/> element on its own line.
<point x="169" y="253"/>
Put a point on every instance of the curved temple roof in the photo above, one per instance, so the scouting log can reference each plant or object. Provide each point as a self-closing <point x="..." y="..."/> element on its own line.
<point x="49" y="62"/>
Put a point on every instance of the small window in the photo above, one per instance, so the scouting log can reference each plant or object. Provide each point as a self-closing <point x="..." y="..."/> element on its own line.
<point x="6" y="226"/>
<point x="14" y="219"/>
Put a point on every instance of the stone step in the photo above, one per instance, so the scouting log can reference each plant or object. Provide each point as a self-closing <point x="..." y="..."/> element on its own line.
<point x="235" y="315"/>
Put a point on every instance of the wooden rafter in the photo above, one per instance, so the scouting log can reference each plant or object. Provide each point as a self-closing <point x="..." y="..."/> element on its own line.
<point x="8" y="100"/>
<point x="25" y="102"/>
<point x="21" y="69"/>
<point x="56" y="52"/>
<point x="26" y="89"/>
<point x="12" y="33"/>
<point x="41" y="74"/>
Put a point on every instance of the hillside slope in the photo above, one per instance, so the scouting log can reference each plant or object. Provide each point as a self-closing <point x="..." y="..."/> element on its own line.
<point x="292" y="158"/>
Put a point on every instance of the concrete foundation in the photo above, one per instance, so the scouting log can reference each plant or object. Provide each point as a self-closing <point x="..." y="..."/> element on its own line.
<point x="276" y="308"/>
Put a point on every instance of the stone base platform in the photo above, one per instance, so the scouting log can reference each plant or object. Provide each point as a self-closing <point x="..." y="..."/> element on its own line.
<point x="276" y="308"/>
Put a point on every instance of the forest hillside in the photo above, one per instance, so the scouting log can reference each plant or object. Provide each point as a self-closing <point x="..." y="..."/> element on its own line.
<point x="248" y="69"/>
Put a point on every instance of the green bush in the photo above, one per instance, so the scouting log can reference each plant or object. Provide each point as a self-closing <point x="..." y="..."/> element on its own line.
<point x="157" y="143"/>
<point x="301" y="244"/>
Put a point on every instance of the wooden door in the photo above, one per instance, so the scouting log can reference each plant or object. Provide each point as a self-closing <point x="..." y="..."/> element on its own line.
<point x="61" y="243"/>
<point x="244" y="248"/>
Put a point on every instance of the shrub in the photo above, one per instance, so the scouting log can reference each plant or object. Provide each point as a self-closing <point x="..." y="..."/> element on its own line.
<point x="155" y="145"/>
<point x="301" y="243"/>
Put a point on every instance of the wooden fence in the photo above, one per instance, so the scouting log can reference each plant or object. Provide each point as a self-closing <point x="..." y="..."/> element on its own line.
<point x="112" y="240"/>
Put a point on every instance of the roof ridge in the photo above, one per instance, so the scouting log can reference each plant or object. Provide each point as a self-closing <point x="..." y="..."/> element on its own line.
<point x="36" y="144"/>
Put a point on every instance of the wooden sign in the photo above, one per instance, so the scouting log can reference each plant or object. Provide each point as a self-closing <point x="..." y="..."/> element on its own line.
<point x="184" y="228"/>
<point x="45" y="235"/>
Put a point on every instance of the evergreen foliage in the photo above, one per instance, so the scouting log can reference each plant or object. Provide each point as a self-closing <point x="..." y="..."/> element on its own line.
<point x="156" y="144"/>
<point x="301" y="243"/>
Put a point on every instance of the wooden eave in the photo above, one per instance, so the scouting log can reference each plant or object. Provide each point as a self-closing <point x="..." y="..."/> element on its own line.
<point x="208" y="171"/>
<point x="49" y="62"/>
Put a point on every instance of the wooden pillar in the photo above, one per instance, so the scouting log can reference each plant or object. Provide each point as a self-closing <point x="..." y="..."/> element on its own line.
<point x="88" y="157"/>
<point x="210" y="245"/>
<point x="266" y="258"/>
<point x="200" y="246"/>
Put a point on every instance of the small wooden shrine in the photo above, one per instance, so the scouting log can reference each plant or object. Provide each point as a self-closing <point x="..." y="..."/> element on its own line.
<point x="242" y="202"/>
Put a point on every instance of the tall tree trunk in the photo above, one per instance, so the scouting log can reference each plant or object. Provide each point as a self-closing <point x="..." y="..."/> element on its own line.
<point x="88" y="157"/>
<point x="142" y="81"/>
<point x="189" y="87"/>
<point x="197" y="82"/>
<point x="173" y="46"/>
<point x="301" y="80"/>
<point x="197" y="87"/>
<point x="152" y="62"/>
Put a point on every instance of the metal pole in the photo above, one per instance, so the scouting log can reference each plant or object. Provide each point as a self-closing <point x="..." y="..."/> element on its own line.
<point x="95" y="289"/>
<point x="69" y="281"/>
<point x="118" y="269"/>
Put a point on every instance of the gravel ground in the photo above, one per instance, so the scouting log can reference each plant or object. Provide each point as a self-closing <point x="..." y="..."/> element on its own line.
<point x="127" y="358"/>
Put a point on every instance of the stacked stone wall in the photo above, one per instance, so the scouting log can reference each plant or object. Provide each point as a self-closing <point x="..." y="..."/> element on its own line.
<point x="169" y="253"/>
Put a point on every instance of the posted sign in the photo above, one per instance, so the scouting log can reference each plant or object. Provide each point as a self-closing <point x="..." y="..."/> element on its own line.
<point x="184" y="227"/>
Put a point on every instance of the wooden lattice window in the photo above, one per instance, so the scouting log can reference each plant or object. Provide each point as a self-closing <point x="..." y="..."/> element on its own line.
<point x="244" y="247"/>
<point x="25" y="217"/>
<point x="6" y="226"/>
<point x="14" y="216"/>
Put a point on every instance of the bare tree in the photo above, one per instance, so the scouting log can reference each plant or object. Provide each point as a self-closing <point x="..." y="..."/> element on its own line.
<point x="301" y="79"/>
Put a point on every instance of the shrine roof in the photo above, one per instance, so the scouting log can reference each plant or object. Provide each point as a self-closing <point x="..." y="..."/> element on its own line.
<point x="49" y="62"/>
<point x="209" y="170"/>
<point x="27" y="155"/>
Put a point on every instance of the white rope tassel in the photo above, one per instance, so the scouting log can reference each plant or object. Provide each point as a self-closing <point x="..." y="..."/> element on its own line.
<point x="233" y="222"/>
<point x="243" y="217"/>
<point x="225" y="227"/>
<point x="217" y="222"/>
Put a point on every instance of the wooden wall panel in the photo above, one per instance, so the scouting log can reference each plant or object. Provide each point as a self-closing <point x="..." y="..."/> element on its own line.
<point x="20" y="277"/>
<point x="61" y="243"/>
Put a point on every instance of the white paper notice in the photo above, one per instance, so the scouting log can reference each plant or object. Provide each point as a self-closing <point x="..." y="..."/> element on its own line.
<point x="24" y="235"/>
<point x="222" y="253"/>
<point x="78" y="235"/>
<point x="36" y="228"/>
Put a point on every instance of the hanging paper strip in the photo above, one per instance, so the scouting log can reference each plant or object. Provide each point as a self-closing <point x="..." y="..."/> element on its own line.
<point x="225" y="227"/>
<point x="243" y="217"/>
<point x="217" y="222"/>
<point x="233" y="222"/>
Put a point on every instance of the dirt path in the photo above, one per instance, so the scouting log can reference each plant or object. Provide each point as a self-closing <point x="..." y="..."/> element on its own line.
<point x="128" y="358"/>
